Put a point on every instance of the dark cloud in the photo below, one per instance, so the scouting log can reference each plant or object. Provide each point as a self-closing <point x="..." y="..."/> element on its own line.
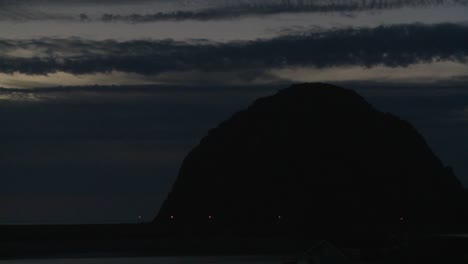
<point x="258" y="8"/>
<point x="398" y="45"/>
<point x="214" y="10"/>
<point x="45" y="2"/>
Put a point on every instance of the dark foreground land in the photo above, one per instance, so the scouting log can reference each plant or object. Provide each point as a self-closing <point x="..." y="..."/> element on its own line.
<point x="76" y="241"/>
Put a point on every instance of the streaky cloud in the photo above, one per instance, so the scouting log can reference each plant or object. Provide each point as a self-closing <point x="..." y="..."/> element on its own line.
<point x="426" y="73"/>
<point x="202" y="10"/>
<point x="262" y="8"/>
<point x="394" y="46"/>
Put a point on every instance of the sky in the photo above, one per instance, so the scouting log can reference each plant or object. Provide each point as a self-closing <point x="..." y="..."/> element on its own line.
<point x="100" y="101"/>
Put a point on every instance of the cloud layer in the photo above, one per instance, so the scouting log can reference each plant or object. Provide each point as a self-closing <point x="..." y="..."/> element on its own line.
<point x="262" y="8"/>
<point x="150" y="11"/>
<point x="393" y="46"/>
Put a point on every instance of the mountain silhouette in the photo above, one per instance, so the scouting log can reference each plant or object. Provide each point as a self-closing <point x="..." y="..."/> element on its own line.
<point x="314" y="158"/>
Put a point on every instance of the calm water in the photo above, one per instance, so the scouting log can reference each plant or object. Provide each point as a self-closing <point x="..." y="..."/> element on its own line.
<point x="154" y="260"/>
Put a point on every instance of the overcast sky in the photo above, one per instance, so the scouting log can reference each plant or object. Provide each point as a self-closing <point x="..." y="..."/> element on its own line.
<point x="101" y="100"/>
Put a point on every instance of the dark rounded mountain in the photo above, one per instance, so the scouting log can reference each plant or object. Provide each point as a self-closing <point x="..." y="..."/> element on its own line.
<point x="313" y="157"/>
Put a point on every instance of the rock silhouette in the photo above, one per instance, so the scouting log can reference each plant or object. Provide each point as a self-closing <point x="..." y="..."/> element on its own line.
<point x="314" y="158"/>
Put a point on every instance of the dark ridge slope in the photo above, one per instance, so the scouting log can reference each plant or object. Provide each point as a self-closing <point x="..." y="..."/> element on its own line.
<point x="313" y="158"/>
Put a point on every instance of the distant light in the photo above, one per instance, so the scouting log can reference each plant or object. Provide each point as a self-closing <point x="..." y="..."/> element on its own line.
<point x="279" y="216"/>
<point x="139" y="217"/>
<point x="401" y="218"/>
<point x="172" y="217"/>
<point x="209" y="217"/>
